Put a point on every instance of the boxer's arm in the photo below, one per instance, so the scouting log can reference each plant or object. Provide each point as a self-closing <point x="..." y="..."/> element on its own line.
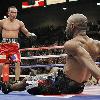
<point x="98" y="46"/>
<point x="26" y="32"/>
<point x="0" y="29"/>
<point x="83" y="57"/>
<point x="0" y="26"/>
<point x="24" y="29"/>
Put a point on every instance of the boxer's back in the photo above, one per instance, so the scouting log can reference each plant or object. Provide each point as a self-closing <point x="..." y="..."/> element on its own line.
<point x="74" y="68"/>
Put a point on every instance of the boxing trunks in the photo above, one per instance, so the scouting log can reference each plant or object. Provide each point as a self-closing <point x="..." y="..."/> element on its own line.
<point x="9" y="50"/>
<point x="53" y="85"/>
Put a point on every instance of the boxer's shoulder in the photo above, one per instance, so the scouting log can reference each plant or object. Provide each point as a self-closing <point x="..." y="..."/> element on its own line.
<point x="20" y="23"/>
<point x="71" y="44"/>
<point x="2" y="21"/>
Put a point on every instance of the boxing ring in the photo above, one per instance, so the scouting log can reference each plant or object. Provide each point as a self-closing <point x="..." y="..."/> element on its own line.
<point x="91" y="92"/>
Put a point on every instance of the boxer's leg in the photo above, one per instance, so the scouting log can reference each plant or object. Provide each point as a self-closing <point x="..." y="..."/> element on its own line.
<point x="1" y="66"/>
<point x="17" y="71"/>
<point x="6" y="88"/>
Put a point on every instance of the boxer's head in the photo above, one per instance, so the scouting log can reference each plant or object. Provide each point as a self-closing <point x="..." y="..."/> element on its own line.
<point x="12" y="12"/>
<point x="75" y="22"/>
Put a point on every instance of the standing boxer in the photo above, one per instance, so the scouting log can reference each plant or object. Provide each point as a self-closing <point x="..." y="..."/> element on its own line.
<point x="9" y="48"/>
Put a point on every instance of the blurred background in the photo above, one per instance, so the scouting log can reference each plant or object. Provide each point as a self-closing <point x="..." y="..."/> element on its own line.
<point x="47" y="18"/>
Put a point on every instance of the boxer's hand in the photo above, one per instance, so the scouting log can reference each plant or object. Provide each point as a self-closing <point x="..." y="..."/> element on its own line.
<point x="32" y="36"/>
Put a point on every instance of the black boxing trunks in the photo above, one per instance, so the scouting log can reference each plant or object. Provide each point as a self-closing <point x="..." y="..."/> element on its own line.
<point x="60" y="84"/>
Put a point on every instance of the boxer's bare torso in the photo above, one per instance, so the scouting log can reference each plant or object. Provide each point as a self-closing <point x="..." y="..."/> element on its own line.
<point x="74" y="68"/>
<point x="10" y="29"/>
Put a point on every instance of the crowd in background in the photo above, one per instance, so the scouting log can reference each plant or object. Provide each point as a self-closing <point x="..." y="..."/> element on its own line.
<point x="44" y="61"/>
<point x="40" y="61"/>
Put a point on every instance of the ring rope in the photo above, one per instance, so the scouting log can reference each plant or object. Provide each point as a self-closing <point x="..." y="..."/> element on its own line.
<point x="47" y="65"/>
<point x="45" y="56"/>
<point x="43" y="48"/>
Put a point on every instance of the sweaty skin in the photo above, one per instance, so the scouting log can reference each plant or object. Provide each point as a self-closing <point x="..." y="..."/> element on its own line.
<point x="10" y="29"/>
<point x="82" y="52"/>
<point x="11" y="26"/>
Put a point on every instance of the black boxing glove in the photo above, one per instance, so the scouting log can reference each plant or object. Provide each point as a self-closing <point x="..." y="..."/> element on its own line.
<point x="6" y="88"/>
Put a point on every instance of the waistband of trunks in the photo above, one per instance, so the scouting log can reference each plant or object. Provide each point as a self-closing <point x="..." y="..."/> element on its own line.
<point x="75" y="81"/>
<point x="9" y="40"/>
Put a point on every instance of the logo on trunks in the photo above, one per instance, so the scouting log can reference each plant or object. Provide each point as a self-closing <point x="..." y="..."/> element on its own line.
<point x="2" y="56"/>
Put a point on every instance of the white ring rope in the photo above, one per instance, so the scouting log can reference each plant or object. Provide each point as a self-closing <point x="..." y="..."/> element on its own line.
<point x="44" y="56"/>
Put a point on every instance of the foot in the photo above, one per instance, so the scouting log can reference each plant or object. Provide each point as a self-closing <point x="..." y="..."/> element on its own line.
<point x="6" y="88"/>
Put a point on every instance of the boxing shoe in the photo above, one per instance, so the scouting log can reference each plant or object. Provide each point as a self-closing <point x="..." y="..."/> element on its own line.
<point x="6" y="88"/>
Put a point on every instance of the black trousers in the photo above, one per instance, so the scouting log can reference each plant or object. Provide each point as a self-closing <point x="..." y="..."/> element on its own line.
<point x="60" y="85"/>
